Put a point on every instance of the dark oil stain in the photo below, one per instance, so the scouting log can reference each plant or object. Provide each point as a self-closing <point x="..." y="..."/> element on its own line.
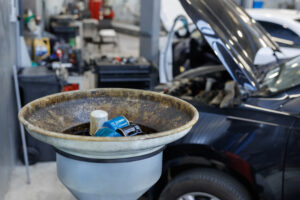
<point x="84" y="129"/>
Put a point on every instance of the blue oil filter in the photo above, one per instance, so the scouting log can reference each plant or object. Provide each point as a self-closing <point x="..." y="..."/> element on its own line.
<point x="116" y="123"/>
<point x="107" y="132"/>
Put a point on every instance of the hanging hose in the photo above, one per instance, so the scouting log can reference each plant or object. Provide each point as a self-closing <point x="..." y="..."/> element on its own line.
<point x="169" y="44"/>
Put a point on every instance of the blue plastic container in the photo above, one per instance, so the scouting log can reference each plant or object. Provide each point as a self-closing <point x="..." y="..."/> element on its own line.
<point x="258" y="4"/>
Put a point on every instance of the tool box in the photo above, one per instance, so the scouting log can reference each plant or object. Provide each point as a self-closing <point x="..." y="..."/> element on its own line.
<point x="129" y="72"/>
<point x="34" y="83"/>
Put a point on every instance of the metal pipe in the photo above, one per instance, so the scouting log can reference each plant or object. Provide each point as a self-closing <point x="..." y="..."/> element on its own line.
<point x="25" y="154"/>
<point x="150" y="29"/>
<point x="18" y="33"/>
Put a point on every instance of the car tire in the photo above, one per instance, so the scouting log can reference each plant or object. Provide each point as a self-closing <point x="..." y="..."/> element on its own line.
<point x="207" y="184"/>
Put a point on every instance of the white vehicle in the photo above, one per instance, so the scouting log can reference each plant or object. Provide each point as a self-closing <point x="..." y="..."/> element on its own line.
<point x="283" y="25"/>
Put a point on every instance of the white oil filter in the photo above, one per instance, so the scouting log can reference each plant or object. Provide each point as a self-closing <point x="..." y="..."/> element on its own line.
<point x="97" y="118"/>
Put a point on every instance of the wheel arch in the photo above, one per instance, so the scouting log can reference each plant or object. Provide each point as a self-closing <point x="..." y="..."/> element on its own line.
<point x="183" y="157"/>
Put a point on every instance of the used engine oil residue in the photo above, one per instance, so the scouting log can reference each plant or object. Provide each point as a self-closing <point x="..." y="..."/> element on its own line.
<point x="81" y="129"/>
<point x="84" y="129"/>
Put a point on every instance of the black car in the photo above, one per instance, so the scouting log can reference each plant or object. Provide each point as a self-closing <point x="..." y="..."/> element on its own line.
<point x="246" y="144"/>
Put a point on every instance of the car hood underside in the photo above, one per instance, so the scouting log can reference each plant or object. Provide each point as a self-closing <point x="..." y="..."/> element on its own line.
<point x="233" y="35"/>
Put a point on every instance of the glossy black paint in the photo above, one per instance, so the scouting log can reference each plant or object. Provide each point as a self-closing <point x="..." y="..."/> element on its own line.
<point x="292" y="167"/>
<point x="258" y="143"/>
<point x="258" y="146"/>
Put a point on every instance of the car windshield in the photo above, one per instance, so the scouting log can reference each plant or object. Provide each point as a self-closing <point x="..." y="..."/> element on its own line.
<point x="284" y="76"/>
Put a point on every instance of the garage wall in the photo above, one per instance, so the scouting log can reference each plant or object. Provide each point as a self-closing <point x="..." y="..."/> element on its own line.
<point x="8" y="126"/>
<point x="278" y="3"/>
<point x="34" y="5"/>
<point x="127" y="11"/>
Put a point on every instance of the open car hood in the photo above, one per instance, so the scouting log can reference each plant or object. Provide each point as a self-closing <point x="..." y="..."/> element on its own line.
<point x="233" y="35"/>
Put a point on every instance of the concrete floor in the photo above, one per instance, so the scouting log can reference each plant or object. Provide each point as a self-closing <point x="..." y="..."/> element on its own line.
<point x="44" y="182"/>
<point x="44" y="185"/>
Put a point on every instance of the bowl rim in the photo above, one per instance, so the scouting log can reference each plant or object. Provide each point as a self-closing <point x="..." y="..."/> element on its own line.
<point x="32" y="128"/>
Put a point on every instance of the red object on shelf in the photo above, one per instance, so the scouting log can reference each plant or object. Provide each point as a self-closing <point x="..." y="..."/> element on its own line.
<point x="96" y="8"/>
<point x="59" y="53"/>
<point x="71" y="87"/>
<point x="119" y="59"/>
<point x="108" y="13"/>
<point x="37" y="19"/>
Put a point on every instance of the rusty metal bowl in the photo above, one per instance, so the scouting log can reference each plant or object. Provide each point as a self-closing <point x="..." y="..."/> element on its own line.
<point x="47" y="118"/>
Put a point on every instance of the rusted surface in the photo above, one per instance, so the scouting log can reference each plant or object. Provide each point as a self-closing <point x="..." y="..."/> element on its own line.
<point x="51" y="115"/>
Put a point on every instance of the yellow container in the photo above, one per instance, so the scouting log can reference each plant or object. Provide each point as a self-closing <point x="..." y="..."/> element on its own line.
<point x="41" y="49"/>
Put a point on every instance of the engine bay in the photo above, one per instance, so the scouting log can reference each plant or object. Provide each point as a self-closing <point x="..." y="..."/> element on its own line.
<point x="214" y="89"/>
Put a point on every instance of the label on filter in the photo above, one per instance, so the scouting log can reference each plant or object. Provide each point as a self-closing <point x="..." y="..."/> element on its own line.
<point x="116" y="123"/>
